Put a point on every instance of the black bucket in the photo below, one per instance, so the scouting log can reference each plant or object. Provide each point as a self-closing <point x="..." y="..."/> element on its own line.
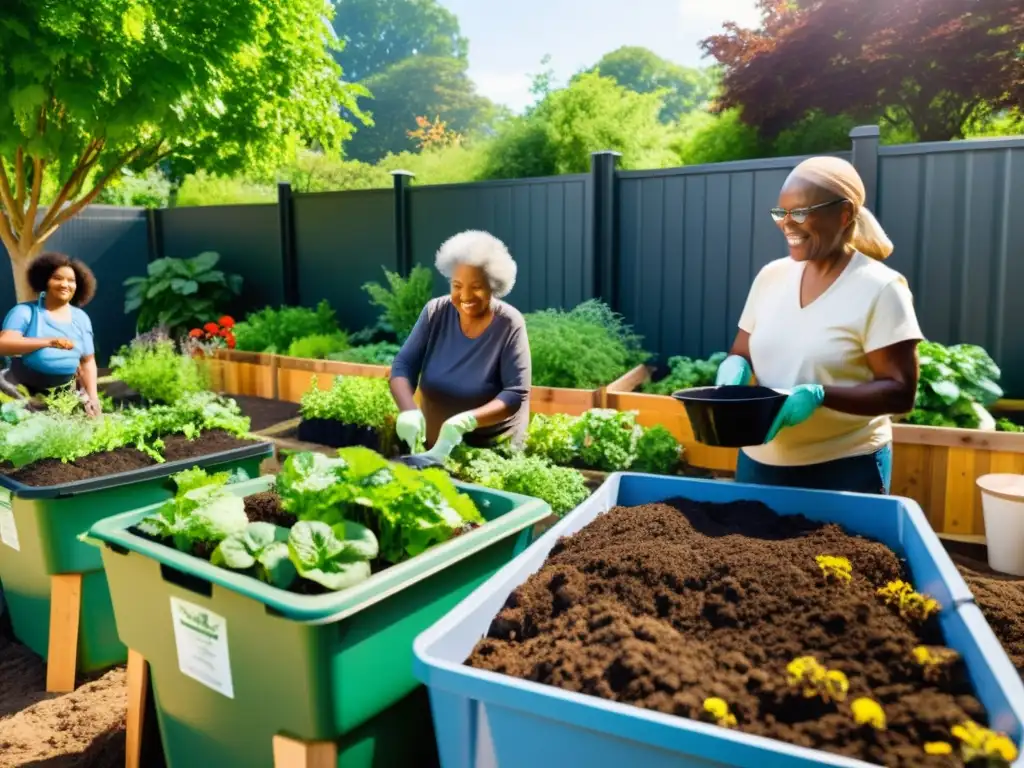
<point x="731" y="416"/>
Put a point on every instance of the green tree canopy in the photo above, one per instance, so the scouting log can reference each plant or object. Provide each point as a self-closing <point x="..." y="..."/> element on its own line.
<point x="89" y="87"/>
<point x="379" y="33"/>
<point x="427" y="86"/>
<point x="643" y="71"/>
<point x="592" y="113"/>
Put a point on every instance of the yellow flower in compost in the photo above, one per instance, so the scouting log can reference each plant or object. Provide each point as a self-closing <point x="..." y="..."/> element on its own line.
<point x="911" y="604"/>
<point x="837" y="568"/>
<point x="815" y="680"/>
<point x="718" y="710"/>
<point x="868" y="712"/>
<point x="937" y="748"/>
<point x="934" y="659"/>
<point x="977" y="742"/>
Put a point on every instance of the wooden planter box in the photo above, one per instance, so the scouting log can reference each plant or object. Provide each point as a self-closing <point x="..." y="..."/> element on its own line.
<point x="663" y="410"/>
<point x="574" y="402"/>
<point x="243" y="373"/>
<point x="938" y="467"/>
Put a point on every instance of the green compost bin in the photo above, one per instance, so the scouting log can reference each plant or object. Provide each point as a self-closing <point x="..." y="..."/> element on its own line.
<point x="39" y="538"/>
<point x="234" y="661"/>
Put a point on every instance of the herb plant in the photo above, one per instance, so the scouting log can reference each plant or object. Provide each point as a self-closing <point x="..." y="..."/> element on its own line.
<point x="402" y="300"/>
<point x="607" y="439"/>
<point x="273" y="330"/>
<point x="177" y="294"/>
<point x="585" y="348"/>
<point x="657" y="452"/>
<point x="158" y="371"/>
<point x="358" y="400"/>
<point x="685" y="373"/>
<point x="553" y="437"/>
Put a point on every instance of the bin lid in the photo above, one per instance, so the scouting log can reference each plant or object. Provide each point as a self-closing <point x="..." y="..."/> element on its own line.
<point x="1003" y="486"/>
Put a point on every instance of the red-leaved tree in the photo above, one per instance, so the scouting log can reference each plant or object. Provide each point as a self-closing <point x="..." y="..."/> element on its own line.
<point x="930" y="62"/>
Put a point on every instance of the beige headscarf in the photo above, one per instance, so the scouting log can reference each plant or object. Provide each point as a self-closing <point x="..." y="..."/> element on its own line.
<point x="842" y="179"/>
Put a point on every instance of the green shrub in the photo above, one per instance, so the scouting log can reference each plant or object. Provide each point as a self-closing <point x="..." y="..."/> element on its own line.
<point x="358" y="400"/>
<point x="685" y="373"/>
<point x="273" y="330"/>
<point x="381" y="353"/>
<point x="179" y="294"/>
<point x="319" y="346"/>
<point x="585" y="348"/>
<point x="402" y="301"/>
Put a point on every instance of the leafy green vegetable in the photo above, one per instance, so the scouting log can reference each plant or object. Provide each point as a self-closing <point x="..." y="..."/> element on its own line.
<point x="1005" y="425"/>
<point x="273" y="330"/>
<point x="403" y="299"/>
<point x="207" y="513"/>
<point x="552" y="437"/>
<point x="158" y="371"/>
<point x="657" y="452"/>
<point x="955" y="387"/>
<point x="685" y="373"/>
<point x="381" y="353"/>
<point x="319" y="346"/>
<point x="262" y="547"/>
<point x="357" y="400"/>
<point x="588" y="347"/>
<point x="607" y="438"/>
<point x="336" y="557"/>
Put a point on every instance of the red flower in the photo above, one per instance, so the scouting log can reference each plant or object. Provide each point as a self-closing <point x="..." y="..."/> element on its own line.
<point x="195" y="333"/>
<point x="211" y="328"/>
<point x="231" y="342"/>
<point x="226" y="322"/>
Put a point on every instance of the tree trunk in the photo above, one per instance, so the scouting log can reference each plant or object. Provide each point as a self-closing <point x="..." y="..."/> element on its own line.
<point x="20" y="260"/>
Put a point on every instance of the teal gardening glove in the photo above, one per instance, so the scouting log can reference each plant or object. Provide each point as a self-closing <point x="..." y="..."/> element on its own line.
<point x="411" y="427"/>
<point x="734" y="371"/>
<point x="451" y="434"/>
<point x="801" y="404"/>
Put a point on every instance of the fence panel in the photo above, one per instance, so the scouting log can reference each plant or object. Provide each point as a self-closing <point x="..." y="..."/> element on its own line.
<point x="953" y="211"/>
<point x="247" y="237"/>
<point x="546" y="224"/>
<point x="114" y="242"/>
<point x="691" y="241"/>
<point x="342" y="241"/>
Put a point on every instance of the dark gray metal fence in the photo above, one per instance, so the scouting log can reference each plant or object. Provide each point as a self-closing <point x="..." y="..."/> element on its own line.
<point x="114" y="242"/>
<point x="673" y="250"/>
<point x="955" y="211"/>
<point x="546" y="224"/>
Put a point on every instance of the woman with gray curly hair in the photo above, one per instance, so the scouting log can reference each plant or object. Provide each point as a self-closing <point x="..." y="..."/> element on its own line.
<point x="468" y="354"/>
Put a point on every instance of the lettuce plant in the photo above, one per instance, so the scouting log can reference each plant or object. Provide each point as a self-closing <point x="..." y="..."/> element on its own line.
<point x="336" y="557"/>
<point x="208" y="513"/>
<point x="261" y="547"/>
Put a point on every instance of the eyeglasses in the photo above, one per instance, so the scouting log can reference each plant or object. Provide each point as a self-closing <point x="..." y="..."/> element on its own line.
<point x="799" y="215"/>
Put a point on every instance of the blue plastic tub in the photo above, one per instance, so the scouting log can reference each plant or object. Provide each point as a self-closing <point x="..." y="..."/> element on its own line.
<point x="486" y="719"/>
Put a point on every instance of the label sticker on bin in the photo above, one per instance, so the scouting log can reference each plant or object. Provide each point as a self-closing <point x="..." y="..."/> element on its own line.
<point x="201" y="637"/>
<point x="8" y="528"/>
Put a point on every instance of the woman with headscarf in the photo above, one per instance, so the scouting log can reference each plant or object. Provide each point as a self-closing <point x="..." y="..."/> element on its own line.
<point x="834" y="328"/>
<point x="468" y="354"/>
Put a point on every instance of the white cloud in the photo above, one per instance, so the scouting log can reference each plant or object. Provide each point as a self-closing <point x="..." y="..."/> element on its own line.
<point x="707" y="16"/>
<point x="510" y="89"/>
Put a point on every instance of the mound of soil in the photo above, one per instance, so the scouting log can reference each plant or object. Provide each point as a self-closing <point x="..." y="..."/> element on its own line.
<point x="176" y="447"/>
<point x="665" y="605"/>
<point x="266" y="508"/>
<point x="1001" y="600"/>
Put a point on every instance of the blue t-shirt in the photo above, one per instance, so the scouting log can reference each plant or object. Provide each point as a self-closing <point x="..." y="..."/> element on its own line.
<point x="50" y="361"/>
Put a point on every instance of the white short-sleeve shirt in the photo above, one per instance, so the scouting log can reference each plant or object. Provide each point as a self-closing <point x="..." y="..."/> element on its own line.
<point x="868" y="307"/>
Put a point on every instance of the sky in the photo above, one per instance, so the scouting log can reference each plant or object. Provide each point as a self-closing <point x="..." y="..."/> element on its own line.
<point x="507" y="40"/>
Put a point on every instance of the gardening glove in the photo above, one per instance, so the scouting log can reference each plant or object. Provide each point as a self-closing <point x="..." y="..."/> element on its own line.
<point x="802" y="402"/>
<point x="411" y="427"/>
<point x="734" y="371"/>
<point x="451" y="435"/>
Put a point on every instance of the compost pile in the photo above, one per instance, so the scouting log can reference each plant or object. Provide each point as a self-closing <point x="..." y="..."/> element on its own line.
<point x="1001" y="600"/>
<point x="709" y="611"/>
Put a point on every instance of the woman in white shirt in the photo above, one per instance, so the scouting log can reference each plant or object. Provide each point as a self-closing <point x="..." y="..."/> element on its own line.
<point x="834" y="327"/>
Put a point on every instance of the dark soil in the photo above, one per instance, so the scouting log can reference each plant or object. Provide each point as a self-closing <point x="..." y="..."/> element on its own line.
<point x="53" y="472"/>
<point x="665" y="605"/>
<point x="1001" y="600"/>
<point x="266" y="508"/>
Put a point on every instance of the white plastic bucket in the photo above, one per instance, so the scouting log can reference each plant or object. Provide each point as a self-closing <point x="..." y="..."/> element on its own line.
<point x="1002" y="500"/>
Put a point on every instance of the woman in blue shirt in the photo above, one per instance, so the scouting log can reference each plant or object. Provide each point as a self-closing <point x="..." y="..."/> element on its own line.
<point x="50" y="340"/>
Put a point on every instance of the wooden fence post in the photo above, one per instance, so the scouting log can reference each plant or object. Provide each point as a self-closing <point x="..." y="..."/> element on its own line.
<point x="403" y="240"/>
<point x="155" y="232"/>
<point x="286" y="228"/>
<point x="605" y="212"/>
<point x="865" y="159"/>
